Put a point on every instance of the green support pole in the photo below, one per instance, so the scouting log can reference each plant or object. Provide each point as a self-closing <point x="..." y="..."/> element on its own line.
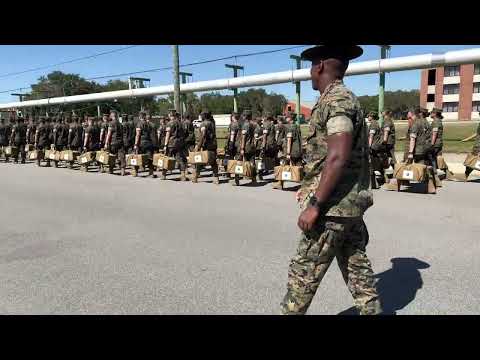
<point x="184" y="96"/>
<point x="298" y="106"/>
<point x="176" y="79"/>
<point x="381" y="89"/>
<point x="235" y="91"/>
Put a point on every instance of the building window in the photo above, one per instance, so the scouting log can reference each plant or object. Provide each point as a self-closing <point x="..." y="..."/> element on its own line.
<point x="476" y="87"/>
<point x="452" y="70"/>
<point x="476" y="69"/>
<point x="430" y="98"/>
<point x="431" y="76"/>
<point x="450" y="107"/>
<point x="476" y="106"/>
<point x="451" y="89"/>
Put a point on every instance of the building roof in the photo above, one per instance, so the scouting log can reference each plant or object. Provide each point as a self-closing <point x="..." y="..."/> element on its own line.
<point x="307" y="104"/>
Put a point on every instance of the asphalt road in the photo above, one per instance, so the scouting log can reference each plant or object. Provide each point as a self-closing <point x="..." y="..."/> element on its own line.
<point x="90" y="243"/>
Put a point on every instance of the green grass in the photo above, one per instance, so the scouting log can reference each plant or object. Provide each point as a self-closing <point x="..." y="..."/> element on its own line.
<point x="452" y="134"/>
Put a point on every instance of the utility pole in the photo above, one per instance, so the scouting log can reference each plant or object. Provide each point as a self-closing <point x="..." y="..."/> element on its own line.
<point x="235" y="91"/>
<point x="138" y="83"/>
<point x="184" y="96"/>
<point x="176" y="78"/>
<point x="20" y="97"/>
<point x="381" y="89"/>
<point x="298" y="60"/>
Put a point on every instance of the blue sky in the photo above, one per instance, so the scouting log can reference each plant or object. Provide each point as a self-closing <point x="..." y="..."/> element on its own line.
<point x="17" y="58"/>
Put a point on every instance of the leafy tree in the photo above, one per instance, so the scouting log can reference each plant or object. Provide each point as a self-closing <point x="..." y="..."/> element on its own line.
<point x="398" y="101"/>
<point x="58" y="84"/>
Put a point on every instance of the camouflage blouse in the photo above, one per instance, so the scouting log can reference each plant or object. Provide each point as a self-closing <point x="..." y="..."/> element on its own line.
<point x="338" y="111"/>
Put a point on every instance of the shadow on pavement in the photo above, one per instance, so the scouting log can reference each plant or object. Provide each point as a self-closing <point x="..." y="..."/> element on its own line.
<point x="292" y="188"/>
<point x="398" y="286"/>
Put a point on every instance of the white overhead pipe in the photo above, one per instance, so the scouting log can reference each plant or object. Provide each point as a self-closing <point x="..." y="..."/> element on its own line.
<point x="357" y="68"/>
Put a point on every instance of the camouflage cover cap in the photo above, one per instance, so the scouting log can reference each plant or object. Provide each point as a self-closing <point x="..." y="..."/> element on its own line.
<point x="438" y="112"/>
<point x="172" y="111"/>
<point x="425" y="111"/>
<point x="373" y="114"/>
<point x="327" y="51"/>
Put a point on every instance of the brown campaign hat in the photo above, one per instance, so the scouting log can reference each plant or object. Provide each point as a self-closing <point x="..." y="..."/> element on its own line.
<point x="327" y="51"/>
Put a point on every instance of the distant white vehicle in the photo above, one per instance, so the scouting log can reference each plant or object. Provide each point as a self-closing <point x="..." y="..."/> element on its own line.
<point x="222" y="120"/>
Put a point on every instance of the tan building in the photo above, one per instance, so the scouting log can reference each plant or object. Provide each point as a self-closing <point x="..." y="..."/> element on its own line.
<point x="455" y="89"/>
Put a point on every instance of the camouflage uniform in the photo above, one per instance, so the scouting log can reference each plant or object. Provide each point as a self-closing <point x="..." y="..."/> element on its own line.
<point x="128" y="134"/>
<point x="161" y="135"/>
<point x="207" y="140"/>
<point x="5" y="131"/>
<point x="19" y="132"/>
<point x="476" y="145"/>
<point x="268" y="129"/>
<point x="74" y="142"/>
<point x="31" y="130"/>
<point x="475" y="151"/>
<point x="147" y="132"/>
<point x="60" y="138"/>
<point x="407" y="143"/>
<point x="267" y="149"/>
<point x="116" y="144"/>
<point x="103" y="136"/>
<point x="437" y="126"/>
<point x="246" y="130"/>
<point x="421" y="131"/>
<point x="292" y="131"/>
<point x="389" y="125"/>
<point x="189" y="131"/>
<point x="42" y="139"/>
<point x="230" y="148"/>
<point x="257" y="134"/>
<point x="340" y="231"/>
<point x="280" y="133"/>
<point x="377" y="153"/>
<point x="176" y="146"/>
<point x="52" y="126"/>
<point x="92" y="134"/>
<point x="75" y="136"/>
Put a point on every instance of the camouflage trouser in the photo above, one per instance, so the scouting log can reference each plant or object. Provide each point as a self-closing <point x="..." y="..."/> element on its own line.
<point x="119" y="150"/>
<point x="390" y="150"/>
<point x="21" y="152"/>
<point x="180" y="157"/>
<point x="198" y="168"/>
<point x="344" y="239"/>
